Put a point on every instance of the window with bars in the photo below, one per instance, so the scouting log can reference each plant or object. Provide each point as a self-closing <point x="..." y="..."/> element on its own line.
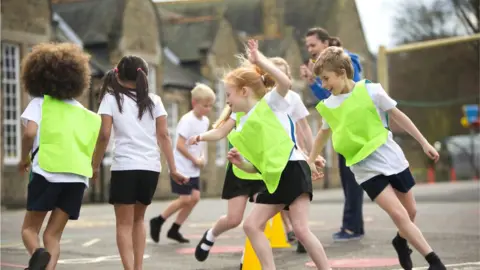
<point x="11" y="102"/>
<point x="221" y="145"/>
<point x="152" y="78"/>
<point x="172" y="118"/>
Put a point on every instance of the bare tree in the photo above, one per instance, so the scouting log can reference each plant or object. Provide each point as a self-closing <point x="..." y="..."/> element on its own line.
<point x="468" y="12"/>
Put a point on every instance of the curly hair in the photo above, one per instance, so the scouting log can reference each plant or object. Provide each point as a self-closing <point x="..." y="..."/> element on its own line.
<point x="334" y="59"/>
<point x="60" y="70"/>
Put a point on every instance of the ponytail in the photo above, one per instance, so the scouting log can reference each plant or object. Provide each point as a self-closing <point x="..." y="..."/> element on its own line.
<point x="107" y="84"/>
<point x="224" y="116"/>
<point x="143" y="99"/>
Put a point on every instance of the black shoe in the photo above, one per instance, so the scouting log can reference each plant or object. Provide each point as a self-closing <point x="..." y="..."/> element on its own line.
<point x="241" y="266"/>
<point x="39" y="259"/>
<point x="291" y="237"/>
<point x="155" y="226"/>
<point x="403" y="252"/>
<point x="301" y="248"/>
<point x="438" y="266"/>
<point x="177" y="236"/>
<point x="201" y="254"/>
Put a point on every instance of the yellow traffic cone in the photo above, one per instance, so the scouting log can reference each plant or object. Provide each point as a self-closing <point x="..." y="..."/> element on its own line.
<point x="250" y="260"/>
<point x="278" y="238"/>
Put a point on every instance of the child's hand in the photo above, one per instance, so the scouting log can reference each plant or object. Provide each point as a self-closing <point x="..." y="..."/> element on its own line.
<point x="23" y="166"/>
<point x="320" y="162"/>
<point x="431" y="152"/>
<point x="253" y="56"/>
<point x="96" y="172"/>
<point x="199" y="162"/>
<point x="179" y="178"/>
<point x="316" y="174"/>
<point x="234" y="157"/>
<point x="193" y="140"/>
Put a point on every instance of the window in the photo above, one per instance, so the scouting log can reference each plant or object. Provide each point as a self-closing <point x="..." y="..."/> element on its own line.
<point x="152" y="78"/>
<point x="221" y="145"/>
<point x="11" y="102"/>
<point x="172" y="118"/>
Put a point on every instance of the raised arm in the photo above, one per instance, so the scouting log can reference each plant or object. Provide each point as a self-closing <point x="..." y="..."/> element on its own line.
<point x="257" y="58"/>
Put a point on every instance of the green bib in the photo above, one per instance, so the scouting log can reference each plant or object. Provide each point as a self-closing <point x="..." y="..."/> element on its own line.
<point x="357" y="130"/>
<point x="264" y="142"/>
<point x="68" y="135"/>
<point x="238" y="172"/>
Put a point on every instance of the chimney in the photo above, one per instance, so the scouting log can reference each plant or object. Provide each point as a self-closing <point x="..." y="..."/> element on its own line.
<point x="271" y="18"/>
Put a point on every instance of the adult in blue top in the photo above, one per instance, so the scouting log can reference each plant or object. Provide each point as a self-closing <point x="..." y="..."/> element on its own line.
<point x="317" y="39"/>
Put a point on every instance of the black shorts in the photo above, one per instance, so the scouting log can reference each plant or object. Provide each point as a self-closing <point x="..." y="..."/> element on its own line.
<point x="402" y="182"/>
<point x="186" y="189"/>
<point x="234" y="186"/>
<point x="46" y="196"/>
<point x="296" y="180"/>
<point x="130" y="187"/>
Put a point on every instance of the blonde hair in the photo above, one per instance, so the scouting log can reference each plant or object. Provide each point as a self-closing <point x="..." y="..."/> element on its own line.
<point x="280" y="62"/>
<point x="202" y="92"/>
<point x="334" y="59"/>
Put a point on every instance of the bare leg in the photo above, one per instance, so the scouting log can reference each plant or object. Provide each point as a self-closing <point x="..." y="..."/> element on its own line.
<point x="124" y="214"/>
<point x="52" y="235"/>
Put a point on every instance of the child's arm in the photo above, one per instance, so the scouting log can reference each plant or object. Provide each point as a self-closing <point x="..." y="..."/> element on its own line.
<point x="257" y="58"/>
<point x="318" y="146"/>
<point x="102" y="142"/>
<point x="165" y="143"/>
<point x="236" y="159"/>
<point x="406" y="124"/>
<point x="214" y="134"/>
<point x="307" y="133"/>
<point x="182" y="148"/>
<point x="28" y="138"/>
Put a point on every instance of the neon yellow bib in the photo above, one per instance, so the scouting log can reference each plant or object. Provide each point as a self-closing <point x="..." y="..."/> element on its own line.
<point x="357" y="130"/>
<point x="238" y="172"/>
<point x="68" y="135"/>
<point x="264" y="142"/>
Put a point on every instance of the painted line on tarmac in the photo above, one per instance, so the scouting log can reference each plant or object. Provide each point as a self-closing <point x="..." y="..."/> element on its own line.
<point x="450" y="265"/>
<point x="4" y="264"/>
<point x="91" y="242"/>
<point x="359" y="262"/>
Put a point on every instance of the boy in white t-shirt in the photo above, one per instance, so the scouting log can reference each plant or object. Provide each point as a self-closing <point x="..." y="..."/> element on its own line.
<point x="189" y="159"/>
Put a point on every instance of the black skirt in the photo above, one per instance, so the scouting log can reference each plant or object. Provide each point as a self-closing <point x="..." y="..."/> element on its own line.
<point x="234" y="186"/>
<point x="296" y="180"/>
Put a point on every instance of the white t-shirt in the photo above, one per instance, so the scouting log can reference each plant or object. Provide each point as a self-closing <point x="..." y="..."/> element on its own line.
<point x="296" y="108"/>
<point x="135" y="144"/>
<point x="281" y="107"/>
<point x="33" y="112"/>
<point x="388" y="159"/>
<point x="189" y="126"/>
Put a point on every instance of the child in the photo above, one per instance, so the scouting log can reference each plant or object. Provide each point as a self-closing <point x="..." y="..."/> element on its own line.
<point x="265" y="136"/>
<point x="240" y="186"/>
<point x="139" y="123"/>
<point x="54" y="75"/>
<point x="189" y="159"/>
<point x="356" y="114"/>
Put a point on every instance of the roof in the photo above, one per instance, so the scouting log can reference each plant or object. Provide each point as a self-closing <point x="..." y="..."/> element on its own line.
<point x="94" y="21"/>
<point x="178" y="77"/>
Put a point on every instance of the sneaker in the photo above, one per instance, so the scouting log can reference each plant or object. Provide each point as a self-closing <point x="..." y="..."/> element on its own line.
<point x="291" y="237"/>
<point x="201" y="254"/>
<point x="301" y="248"/>
<point x="403" y="252"/>
<point x="344" y="236"/>
<point x="39" y="259"/>
<point x="155" y="227"/>
<point x="177" y="236"/>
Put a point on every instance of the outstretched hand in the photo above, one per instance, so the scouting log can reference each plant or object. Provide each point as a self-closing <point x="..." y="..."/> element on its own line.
<point x="253" y="54"/>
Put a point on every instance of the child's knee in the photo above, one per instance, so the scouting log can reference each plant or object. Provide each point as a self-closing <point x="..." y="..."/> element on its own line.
<point x="250" y="225"/>
<point x="412" y="213"/>
<point x="301" y="231"/>
<point x="234" y="220"/>
<point x="51" y="237"/>
<point x="399" y="216"/>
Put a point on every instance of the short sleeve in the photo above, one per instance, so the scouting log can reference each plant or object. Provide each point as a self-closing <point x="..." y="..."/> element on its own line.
<point x="106" y="106"/>
<point x="325" y="125"/>
<point x="33" y="112"/>
<point x="183" y="127"/>
<point x="159" y="109"/>
<point x="276" y="102"/>
<point x="380" y="98"/>
<point x="233" y="116"/>
<point x="299" y="111"/>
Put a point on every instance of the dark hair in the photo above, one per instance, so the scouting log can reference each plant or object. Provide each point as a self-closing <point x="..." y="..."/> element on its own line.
<point x="134" y="69"/>
<point x="60" y="70"/>
<point x="323" y="35"/>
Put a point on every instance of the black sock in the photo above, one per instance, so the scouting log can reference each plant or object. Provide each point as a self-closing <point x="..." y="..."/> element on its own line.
<point x="161" y="219"/>
<point x="175" y="227"/>
<point x="401" y="239"/>
<point x="432" y="258"/>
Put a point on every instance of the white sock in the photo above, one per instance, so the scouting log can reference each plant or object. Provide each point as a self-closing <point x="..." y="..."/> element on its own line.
<point x="210" y="236"/>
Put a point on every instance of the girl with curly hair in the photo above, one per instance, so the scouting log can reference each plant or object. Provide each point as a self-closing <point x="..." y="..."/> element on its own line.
<point x="54" y="75"/>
